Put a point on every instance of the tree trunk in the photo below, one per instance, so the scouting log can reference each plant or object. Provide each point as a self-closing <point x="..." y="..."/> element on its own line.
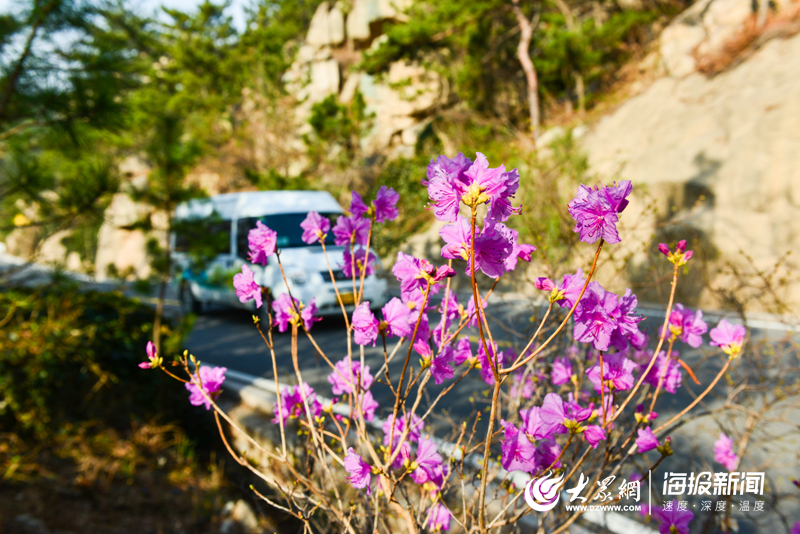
<point x="523" y="54"/>
<point x="581" y="90"/>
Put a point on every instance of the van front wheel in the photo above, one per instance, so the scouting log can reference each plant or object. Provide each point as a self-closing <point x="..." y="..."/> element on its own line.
<point x="189" y="304"/>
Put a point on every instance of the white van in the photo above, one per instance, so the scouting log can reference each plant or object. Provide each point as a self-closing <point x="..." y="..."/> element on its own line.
<point x="231" y="216"/>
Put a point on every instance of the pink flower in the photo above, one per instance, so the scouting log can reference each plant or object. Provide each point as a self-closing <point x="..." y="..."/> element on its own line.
<point x="293" y="403"/>
<point x="647" y="440"/>
<point x="351" y="230"/>
<point x="617" y="372"/>
<point x="413" y="434"/>
<point x="472" y="320"/>
<point x="365" y="325"/>
<point x="463" y="351"/>
<point x="796" y="528"/>
<point x="492" y="246"/>
<point x="385" y="204"/>
<point x="728" y="337"/>
<point x="315" y="228"/>
<point x="153" y="357"/>
<point x="519" y="251"/>
<point x="368" y="406"/>
<point x="544" y="284"/>
<point x="208" y="380"/>
<point x="262" y="241"/>
<point x="680" y="256"/>
<point x="562" y="371"/>
<point x="594" y="434"/>
<point x="438" y="518"/>
<point x="414" y="273"/>
<point x="673" y="521"/>
<point x="357" y="205"/>
<point x="347" y="374"/>
<point x="396" y="319"/>
<point x="360" y="473"/>
<point x="441" y="365"/>
<point x="723" y="452"/>
<point x="517" y="450"/>
<point x="595" y="211"/>
<point x="355" y="263"/>
<point x="286" y="314"/>
<point x="552" y="415"/>
<point x="246" y="287"/>
<point x="570" y="288"/>
<point x="546" y="454"/>
<point x="672" y="378"/>
<point x="688" y="326"/>
<point x="429" y="463"/>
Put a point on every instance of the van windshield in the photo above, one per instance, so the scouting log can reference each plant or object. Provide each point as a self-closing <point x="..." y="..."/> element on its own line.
<point x="286" y="225"/>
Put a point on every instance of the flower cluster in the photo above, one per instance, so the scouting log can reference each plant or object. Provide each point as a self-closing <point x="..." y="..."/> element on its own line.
<point x="205" y="385"/>
<point x="596" y="211"/>
<point x="680" y="256"/>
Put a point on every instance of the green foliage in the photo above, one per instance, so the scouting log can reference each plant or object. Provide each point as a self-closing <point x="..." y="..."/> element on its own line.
<point x="201" y="239"/>
<point x="338" y="125"/>
<point x="403" y="175"/>
<point x="68" y="355"/>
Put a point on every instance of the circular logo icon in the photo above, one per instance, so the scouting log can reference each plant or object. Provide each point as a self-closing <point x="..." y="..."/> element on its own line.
<point x="542" y="494"/>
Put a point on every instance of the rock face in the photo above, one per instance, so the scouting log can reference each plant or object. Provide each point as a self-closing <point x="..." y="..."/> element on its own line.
<point x="399" y="101"/>
<point x="724" y="152"/>
<point x="704" y="29"/>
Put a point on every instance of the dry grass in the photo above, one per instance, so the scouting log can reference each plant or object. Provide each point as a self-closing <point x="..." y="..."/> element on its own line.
<point x="92" y="479"/>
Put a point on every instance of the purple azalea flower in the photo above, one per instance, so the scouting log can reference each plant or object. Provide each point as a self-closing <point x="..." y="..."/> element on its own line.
<point x="351" y="230"/>
<point x="413" y="434"/>
<point x="570" y="287"/>
<point x="441" y="368"/>
<point x="517" y="450"/>
<point x="673" y="377"/>
<point x="687" y="326"/>
<point x="552" y="415"/>
<point x="594" y="434"/>
<point x="262" y="241"/>
<point x="385" y="204"/>
<point x="492" y="185"/>
<point x="357" y="206"/>
<point x="575" y="412"/>
<point x="472" y="320"/>
<point x="455" y="167"/>
<point x="617" y="372"/>
<point x="499" y="360"/>
<point x="532" y="425"/>
<point x="208" y="380"/>
<point x="315" y="228"/>
<point x="728" y="337"/>
<point x="347" y="374"/>
<point x="647" y="440"/>
<point x="413" y="301"/>
<point x="723" y="452"/>
<point x="438" y="518"/>
<point x="492" y="246"/>
<point x="359" y="471"/>
<point x="246" y="287"/>
<point x="595" y="211"/>
<point x="365" y="325"/>
<point x="673" y="521"/>
<point x="680" y="257"/>
<point x="429" y="464"/>
<point x="603" y="319"/>
<point x="444" y="192"/>
<point x="562" y="371"/>
<point x="521" y="385"/>
<point x="396" y="319"/>
<point x="423" y="330"/>
<point x="292" y="403"/>
<point x="154" y="360"/>
<point x="518" y="250"/>
<point x="463" y="351"/>
<point x="544" y="284"/>
<point x="368" y="405"/>
<point x="795" y="528"/>
<point x="356" y="262"/>
<point x="639" y="340"/>
<point x="546" y="453"/>
<point x="285" y="313"/>
<point x="414" y="273"/>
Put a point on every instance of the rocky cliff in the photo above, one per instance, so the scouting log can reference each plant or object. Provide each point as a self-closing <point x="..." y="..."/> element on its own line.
<point x="719" y="152"/>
